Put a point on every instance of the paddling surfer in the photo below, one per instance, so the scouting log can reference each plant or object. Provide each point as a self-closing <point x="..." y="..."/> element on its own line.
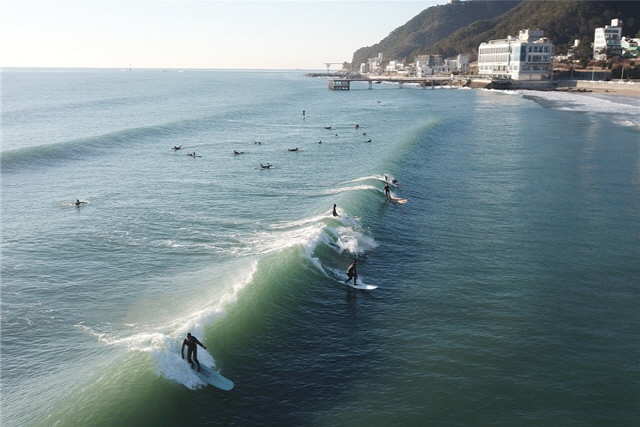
<point x="352" y="272"/>
<point x="192" y="344"/>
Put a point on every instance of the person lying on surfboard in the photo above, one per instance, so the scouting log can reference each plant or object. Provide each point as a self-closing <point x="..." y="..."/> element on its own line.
<point x="352" y="272"/>
<point x="192" y="344"/>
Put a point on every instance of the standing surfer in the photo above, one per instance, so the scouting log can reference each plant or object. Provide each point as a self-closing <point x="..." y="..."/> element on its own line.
<point x="352" y="272"/>
<point x="334" y="210"/>
<point x="192" y="344"/>
<point x="387" y="190"/>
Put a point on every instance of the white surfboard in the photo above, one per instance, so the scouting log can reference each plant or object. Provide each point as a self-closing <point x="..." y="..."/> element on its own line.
<point x="398" y="200"/>
<point x="214" y="378"/>
<point x="363" y="287"/>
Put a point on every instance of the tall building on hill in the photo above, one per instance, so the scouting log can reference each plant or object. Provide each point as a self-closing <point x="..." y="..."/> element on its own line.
<point x="608" y="39"/>
<point x="527" y="57"/>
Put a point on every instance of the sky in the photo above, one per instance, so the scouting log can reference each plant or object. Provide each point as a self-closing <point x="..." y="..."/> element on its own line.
<point x="196" y="34"/>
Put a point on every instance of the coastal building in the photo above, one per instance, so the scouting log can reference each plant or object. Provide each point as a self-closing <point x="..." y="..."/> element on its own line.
<point x="429" y="65"/>
<point x="374" y="65"/>
<point x="394" y="67"/>
<point x="608" y="40"/>
<point x="629" y="47"/>
<point x="527" y="57"/>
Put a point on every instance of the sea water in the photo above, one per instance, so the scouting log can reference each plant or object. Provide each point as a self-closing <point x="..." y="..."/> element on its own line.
<point x="507" y="287"/>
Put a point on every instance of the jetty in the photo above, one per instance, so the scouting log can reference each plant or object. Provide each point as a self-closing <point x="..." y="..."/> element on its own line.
<point x="344" y="83"/>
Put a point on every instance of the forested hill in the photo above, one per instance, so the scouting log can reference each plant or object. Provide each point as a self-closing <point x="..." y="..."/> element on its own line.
<point x="430" y="26"/>
<point x="462" y="26"/>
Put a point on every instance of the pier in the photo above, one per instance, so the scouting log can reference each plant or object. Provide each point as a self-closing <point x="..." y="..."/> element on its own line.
<point x="344" y="83"/>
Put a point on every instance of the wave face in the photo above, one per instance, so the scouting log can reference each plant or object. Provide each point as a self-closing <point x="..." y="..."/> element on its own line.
<point x="506" y="279"/>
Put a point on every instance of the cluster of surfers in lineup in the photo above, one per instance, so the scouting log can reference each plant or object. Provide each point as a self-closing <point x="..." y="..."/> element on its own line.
<point x="268" y="165"/>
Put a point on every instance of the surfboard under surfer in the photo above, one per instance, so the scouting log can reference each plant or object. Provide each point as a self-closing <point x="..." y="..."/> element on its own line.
<point x="192" y="344"/>
<point x="352" y="272"/>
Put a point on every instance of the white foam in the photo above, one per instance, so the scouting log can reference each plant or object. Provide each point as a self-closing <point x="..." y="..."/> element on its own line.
<point x="622" y="110"/>
<point x="347" y="189"/>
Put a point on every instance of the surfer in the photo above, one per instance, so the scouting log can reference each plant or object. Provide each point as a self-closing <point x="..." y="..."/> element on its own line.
<point x="387" y="190"/>
<point x="352" y="272"/>
<point x="303" y="114"/>
<point x="237" y="152"/>
<point x="78" y="202"/>
<point x="293" y="149"/>
<point x="177" y="147"/>
<point x="192" y="344"/>
<point x="265" y="167"/>
<point x="334" y="210"/>
<point x="368" y="140"/>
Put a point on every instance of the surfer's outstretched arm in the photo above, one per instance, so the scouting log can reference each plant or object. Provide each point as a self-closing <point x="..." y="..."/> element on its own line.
<point x="199" y="343"/>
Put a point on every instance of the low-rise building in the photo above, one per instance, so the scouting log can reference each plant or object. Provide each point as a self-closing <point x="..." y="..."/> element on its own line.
<point x="527" y="57"/>
<point x="629" y="47"/>
<point x="429" y="65"/>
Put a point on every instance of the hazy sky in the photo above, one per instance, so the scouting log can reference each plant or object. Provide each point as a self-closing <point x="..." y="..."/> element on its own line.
<point x="195" y="34"/>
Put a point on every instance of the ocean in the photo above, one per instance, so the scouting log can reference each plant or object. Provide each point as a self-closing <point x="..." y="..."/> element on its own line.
<point x="508" y="286"/>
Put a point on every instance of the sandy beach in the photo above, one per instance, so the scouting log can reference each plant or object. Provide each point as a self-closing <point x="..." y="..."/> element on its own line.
<point x="609" y="88"/>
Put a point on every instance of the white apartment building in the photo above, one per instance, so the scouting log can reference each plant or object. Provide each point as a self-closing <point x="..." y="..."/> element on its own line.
<point x="527" y="57"/>
<point x="608" y="37"/>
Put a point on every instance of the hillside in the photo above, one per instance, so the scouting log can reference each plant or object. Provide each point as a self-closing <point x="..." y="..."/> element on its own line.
<point x="461" y="27"/>
<point x="430" y="26"/>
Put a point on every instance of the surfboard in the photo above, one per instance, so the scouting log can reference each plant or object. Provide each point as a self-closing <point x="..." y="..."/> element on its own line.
<point x="214" y="378"/>
<point x="398" y="200"/>
<point x="363" y="287"/>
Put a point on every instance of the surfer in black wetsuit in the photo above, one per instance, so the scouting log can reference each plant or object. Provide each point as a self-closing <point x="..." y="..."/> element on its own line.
<point x="352" y="272"/>
<point x="192" y="344"/>
<point x="334" y="210"/>
<point x="387" y="190"/>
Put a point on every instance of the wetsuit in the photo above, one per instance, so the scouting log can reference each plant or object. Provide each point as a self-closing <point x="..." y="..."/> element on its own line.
<point x="387" y="191"/>
<point x="192" y="348"/>
<point x="352" y="273"/>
